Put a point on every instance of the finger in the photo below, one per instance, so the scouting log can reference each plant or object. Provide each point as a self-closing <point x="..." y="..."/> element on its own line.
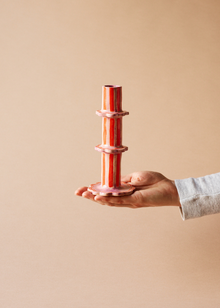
<point x="136" y="178"/>
<point x="131" y="206"/>
<point x="139" y="178"/>
<point x="116" y="200"/>
<point x="80" y="191"/>
<point x="126" y="178"/>
<point x="121" y="205"/>
<point x="88" y="195"/>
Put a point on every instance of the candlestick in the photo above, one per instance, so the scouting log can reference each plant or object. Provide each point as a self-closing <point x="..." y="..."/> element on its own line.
<point x="111" y="148"/>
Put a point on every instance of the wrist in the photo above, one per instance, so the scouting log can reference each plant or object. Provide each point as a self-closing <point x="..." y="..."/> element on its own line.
<point x="176" y="198"/>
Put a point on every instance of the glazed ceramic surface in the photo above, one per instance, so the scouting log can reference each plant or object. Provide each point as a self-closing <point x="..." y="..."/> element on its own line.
<point x="111" y="146"/>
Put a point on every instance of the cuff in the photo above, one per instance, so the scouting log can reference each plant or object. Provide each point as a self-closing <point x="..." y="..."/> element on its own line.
<point x="199" y="196"/>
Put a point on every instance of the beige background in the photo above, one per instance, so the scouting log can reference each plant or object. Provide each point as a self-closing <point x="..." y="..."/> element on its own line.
<point x="56" y="249"/>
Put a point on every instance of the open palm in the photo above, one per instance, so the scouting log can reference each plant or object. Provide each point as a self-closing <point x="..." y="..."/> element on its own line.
<point x="151" y="189"/>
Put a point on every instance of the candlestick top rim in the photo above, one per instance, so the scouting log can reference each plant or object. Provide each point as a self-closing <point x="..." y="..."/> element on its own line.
<point x="112" y="86"/>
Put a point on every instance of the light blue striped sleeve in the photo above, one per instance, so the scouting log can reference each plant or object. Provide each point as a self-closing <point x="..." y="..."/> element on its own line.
<point x="199" y="196"/>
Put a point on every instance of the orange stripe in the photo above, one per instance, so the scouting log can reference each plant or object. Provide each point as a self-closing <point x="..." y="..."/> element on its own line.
<point x="104" y="131"/>
<point x="103" y="168"/>
<point x="110" y="179"/>
<point x="104" y="98"/>
<point x="111" y="132"/>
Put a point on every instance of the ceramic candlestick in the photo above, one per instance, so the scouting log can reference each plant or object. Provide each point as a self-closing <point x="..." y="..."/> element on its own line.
<point x="111" y="148"/>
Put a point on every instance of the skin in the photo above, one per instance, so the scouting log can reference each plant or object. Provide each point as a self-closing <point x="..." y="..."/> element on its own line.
<point x="151" y="189"/>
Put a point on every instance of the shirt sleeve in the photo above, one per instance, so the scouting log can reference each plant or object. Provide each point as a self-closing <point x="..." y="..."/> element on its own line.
<point x="199" y="196"/>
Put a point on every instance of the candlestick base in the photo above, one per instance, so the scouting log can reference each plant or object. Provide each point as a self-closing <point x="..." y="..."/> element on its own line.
<point x="124" y="190"/>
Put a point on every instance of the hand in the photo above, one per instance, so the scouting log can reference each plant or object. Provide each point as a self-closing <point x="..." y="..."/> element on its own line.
<point x="152" y="189"/>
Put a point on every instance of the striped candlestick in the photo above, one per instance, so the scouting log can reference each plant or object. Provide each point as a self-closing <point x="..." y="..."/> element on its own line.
<point x="111" y="170"/>
<point x="111" y="146"/>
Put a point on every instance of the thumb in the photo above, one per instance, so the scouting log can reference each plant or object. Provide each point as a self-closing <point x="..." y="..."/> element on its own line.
<point x="126" y="178"/>
<point x="136" y="179"/>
